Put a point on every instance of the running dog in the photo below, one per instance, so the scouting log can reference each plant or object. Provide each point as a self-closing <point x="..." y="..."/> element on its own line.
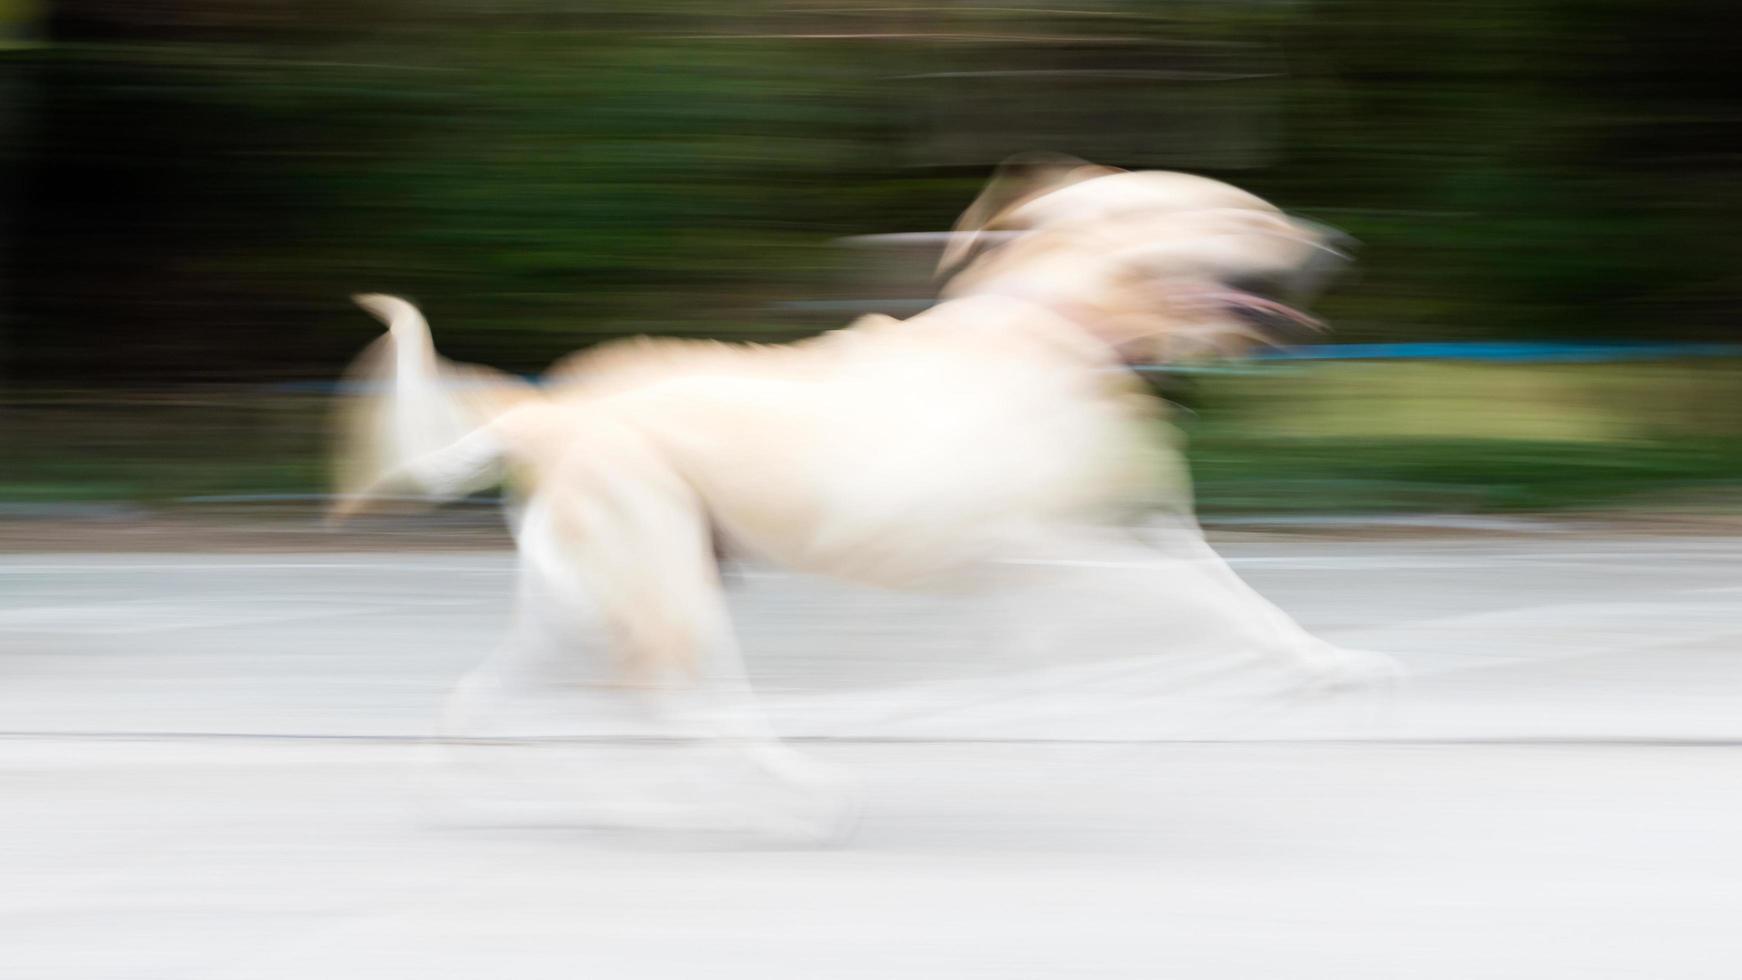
<point x="901" y="453"/>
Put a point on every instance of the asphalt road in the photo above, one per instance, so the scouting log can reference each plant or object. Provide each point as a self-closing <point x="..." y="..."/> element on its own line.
<point x="213" y="766"/>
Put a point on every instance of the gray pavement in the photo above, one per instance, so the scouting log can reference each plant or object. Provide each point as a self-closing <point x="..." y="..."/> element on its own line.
<point x="213" y="767"/>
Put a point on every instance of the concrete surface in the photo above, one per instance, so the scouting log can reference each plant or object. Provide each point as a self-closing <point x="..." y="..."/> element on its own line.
<point x="212" y="767"/>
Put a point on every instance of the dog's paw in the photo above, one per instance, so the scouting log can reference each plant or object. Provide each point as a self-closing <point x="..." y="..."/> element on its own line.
<point x="808" y="801"/>
<point x="1361" y="670"/>
<point x="1360" y="688"/>
<point x="1364" y="680"/>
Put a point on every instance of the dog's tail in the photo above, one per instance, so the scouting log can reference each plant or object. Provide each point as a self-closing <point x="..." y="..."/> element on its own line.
<point x="406" y="404"/>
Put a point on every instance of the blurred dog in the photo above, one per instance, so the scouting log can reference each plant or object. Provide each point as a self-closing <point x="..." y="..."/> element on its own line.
<point x="908" y="453"/>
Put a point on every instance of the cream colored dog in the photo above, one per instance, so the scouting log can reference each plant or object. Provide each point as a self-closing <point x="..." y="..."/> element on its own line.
<point x="910" y="453"/>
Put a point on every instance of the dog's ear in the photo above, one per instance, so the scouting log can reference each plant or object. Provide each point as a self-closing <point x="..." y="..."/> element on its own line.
<point x="1017" y="181"/>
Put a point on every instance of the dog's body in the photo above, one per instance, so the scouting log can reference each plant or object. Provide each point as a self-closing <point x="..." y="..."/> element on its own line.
<point x="893" y="452"/>
<point x="898" y="453"/>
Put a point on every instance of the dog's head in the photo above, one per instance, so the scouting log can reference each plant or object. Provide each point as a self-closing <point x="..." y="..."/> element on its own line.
<point x="1161" y="265"/>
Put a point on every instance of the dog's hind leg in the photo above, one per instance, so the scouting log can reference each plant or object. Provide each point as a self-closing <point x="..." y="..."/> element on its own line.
<point x="515" y="727"/>
<point x="788" y="792"/>
<point x="704" y="692"/>
<point x="555" y="647"/>
<point x="547" y="729"/>
<point x="617" y="553"/>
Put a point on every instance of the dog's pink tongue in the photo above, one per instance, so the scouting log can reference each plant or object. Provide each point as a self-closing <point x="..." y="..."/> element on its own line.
<point x="1251" y="301"/>
<point x="1227" y="297"/>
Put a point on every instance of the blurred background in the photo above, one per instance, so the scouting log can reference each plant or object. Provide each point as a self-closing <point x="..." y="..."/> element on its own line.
<point x="1546" y="193"/>
<point x="216" y="765"/>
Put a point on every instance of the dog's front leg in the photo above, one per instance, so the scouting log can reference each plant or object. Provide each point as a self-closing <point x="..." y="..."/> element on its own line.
<point x="1174" y="622"/>
<point x="1177" y="536"/>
